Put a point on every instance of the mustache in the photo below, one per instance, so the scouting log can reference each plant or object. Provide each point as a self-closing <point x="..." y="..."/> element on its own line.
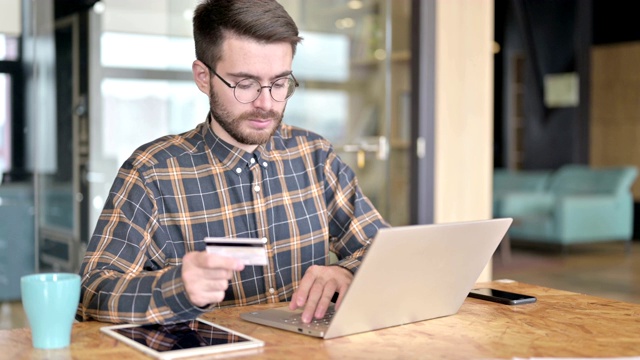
<point x="259" y="114"/>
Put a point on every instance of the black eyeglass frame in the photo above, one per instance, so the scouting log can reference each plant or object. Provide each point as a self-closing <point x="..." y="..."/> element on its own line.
<point x="295" y="81"/>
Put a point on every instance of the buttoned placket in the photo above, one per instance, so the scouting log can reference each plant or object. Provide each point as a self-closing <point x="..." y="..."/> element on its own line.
<point x="258" y="168"/>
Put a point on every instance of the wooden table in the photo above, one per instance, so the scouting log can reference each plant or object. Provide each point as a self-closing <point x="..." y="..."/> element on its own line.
<point x="559" y="324"/>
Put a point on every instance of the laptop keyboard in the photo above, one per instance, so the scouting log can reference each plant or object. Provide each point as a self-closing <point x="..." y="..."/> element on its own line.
<point x="315" y="323"/>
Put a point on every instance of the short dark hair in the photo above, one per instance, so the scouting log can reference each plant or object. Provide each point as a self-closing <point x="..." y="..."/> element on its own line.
<point x="262" y="20"/>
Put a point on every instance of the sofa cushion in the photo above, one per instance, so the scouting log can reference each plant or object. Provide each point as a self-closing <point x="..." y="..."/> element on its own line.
<point x="580" y="179"/>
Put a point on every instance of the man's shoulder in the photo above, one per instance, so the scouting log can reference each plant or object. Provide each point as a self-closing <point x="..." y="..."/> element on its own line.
<point x="164" y="148"/>
<point x="294" y="135"/>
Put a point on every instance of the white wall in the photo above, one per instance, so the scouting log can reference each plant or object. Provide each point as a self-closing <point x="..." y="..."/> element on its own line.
<point x="464" y="111"/>
<point x="154" y="17"/>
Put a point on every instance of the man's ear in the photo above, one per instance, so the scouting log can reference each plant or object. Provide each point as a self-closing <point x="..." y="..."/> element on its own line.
<point x="201" y="76"/>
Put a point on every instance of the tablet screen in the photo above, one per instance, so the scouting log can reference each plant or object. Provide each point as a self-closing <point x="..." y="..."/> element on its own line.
<point x="182" y="339"/>
<point x="186" y="335"/>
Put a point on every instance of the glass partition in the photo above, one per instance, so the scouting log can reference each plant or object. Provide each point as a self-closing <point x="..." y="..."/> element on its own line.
<point x="103" y="80"/>
<point x="17" y="237"/>
<point x="353" y="66"/>
<point x="141" y="84"/>
<point x="52" y="55"/>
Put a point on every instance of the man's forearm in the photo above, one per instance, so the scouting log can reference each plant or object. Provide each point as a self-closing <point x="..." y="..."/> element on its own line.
<point x="147" y="297"/>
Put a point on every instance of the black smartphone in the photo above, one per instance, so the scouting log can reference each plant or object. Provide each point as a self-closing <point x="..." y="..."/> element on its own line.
<point x="501" y="296"/>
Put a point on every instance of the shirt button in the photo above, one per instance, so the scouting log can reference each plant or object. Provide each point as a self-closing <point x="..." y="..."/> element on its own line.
<point x="264" y="164"/>
<point x="256" y="188"/>
<point x="272" y="290"/>
<point x="253" y="160"/>
<point x="238" y="170"/>
<point x="264" y="239"/>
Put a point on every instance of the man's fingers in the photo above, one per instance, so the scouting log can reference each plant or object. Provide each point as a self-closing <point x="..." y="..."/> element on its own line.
<point x="342" y="290"/>
<point x="206" y="276"/>
<point x="215" y="274"/>
<point x="312" y="301"/>
<point x="325" y="300"/>
<point x="302" y="293"/>
<point x="214" y="261"/>
<point x="316" y="289"/>
<point x="205" y="298"/>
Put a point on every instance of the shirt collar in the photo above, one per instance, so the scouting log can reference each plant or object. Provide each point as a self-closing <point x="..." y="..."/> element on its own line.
<point x="230" y="156"/>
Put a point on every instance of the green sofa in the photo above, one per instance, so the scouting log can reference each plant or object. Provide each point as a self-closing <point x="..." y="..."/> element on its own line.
<point x="578" y="204"/>
<point x="507" y="181"/>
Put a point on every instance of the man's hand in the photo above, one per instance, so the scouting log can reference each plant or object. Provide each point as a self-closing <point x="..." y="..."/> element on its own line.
<point x="206" y="276"/>
<point x="316" y="289"/>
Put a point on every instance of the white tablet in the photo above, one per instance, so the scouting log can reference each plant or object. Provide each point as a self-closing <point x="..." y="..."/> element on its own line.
<point x="193" y="338"/>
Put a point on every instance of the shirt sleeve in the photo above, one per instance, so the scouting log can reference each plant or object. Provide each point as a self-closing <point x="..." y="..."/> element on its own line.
<point x="124" y="277"/>
<point x="354" y="220"/>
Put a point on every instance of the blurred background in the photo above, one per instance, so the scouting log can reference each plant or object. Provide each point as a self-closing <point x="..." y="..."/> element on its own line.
<point x="424" y="99"/>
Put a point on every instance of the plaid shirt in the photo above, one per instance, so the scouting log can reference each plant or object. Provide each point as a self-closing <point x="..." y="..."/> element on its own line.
<point x="175" y="191"/>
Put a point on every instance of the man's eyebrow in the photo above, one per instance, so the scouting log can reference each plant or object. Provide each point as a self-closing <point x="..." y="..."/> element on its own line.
<point x="244" y="75"/>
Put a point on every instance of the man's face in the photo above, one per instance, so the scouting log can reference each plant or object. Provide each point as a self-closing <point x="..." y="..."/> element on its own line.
<point x="253" y="123"/>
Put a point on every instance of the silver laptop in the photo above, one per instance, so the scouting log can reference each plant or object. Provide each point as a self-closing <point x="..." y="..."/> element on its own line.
<point x="409" y="274"/>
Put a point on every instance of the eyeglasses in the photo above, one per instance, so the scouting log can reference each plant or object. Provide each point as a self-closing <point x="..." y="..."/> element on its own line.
<point x="248" y="90"/>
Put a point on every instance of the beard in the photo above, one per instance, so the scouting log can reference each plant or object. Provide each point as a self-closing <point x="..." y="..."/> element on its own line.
<point x="233" y="126"/>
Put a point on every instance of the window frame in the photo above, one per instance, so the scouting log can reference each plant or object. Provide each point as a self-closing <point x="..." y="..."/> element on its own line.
<point x="17" y="170"/>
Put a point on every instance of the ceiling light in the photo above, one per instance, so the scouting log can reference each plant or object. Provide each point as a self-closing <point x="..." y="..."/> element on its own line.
<point x="345" y="23"/>
<point x="187" y="14"/>
<point x="99" y="7"/>
<point x="355" y="4"/>
<point x="380" y="54"/>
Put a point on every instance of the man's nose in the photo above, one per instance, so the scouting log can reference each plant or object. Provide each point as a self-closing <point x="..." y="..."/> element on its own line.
<point x="264" y="99"/>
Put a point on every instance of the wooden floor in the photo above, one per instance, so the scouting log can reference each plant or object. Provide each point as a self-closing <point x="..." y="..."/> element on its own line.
<point x="12" y="316"/>
<point x="604" y="270"/>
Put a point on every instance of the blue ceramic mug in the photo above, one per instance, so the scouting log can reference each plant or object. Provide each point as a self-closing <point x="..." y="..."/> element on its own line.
<point x="50" y="301"/>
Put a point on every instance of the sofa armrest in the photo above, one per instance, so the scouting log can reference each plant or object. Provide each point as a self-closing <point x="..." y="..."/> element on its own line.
<point x="521" y="204"/>
<point x="580" y="216"/>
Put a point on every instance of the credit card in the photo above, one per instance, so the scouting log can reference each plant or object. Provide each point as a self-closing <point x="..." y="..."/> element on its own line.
<point x="249" y="251"/>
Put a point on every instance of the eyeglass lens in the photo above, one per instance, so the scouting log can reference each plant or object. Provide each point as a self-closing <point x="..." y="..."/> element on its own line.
<point x="248" y="90"/>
